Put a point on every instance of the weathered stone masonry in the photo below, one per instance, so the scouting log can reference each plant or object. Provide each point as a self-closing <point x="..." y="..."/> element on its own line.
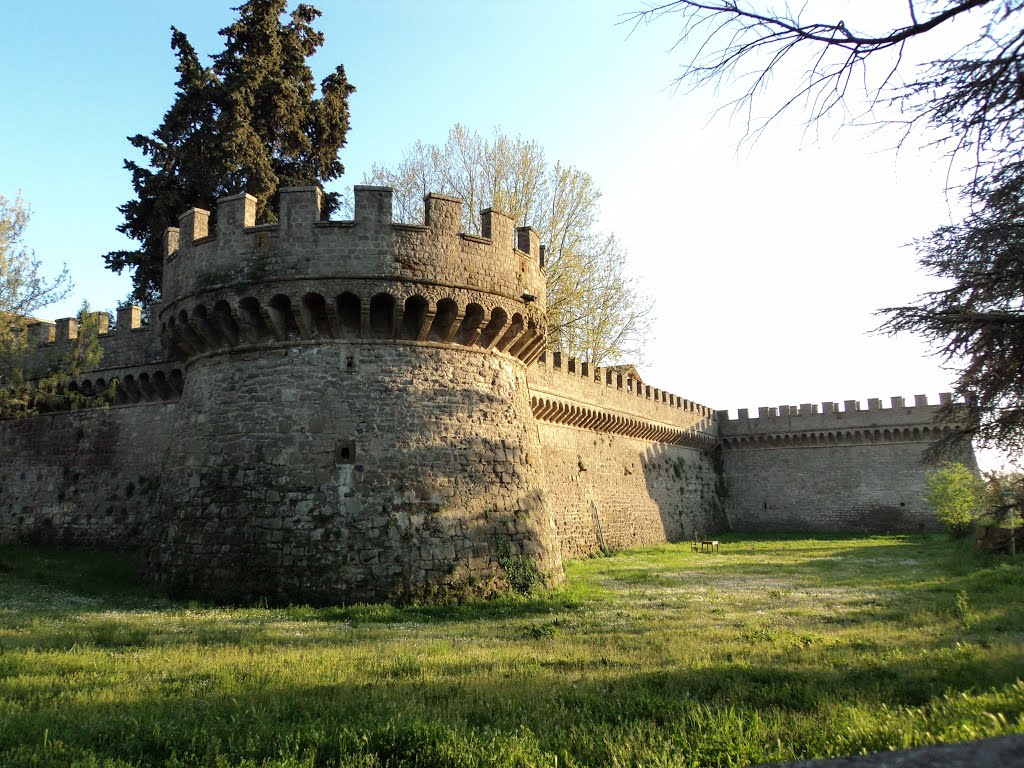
<point x="338" y="411"/>
<point x="627" y="464"/>
<point x="838" y="469"/>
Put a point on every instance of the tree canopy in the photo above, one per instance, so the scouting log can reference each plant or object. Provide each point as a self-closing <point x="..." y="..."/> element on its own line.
<point x="970" y="101"/>
<point x="23" y="289"/>
<point x="595" y="310"/>
<point x="250" y="122"/>
<point x="23" y="292"/>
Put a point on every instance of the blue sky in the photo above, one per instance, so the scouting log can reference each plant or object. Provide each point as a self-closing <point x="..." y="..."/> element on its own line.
<point x="766" y="262"/>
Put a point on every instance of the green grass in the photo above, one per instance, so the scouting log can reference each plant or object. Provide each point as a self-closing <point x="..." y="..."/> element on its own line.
<point x="776" y="648"/>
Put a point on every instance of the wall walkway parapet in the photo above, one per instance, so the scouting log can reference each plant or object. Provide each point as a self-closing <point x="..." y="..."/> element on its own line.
<point x="805" y="424"/>
<point x="506" y="261"/>
<point x="572" y="392"/>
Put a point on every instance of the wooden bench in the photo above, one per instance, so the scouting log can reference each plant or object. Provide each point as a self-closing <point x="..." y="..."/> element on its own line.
<point x="703" y="545"/>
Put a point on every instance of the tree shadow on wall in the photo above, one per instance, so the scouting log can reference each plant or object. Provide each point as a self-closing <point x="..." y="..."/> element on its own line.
<point x="690" y="481"/>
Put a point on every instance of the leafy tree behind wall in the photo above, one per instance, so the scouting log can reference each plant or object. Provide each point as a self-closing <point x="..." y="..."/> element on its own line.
<point x="23" y="290"/>
<point x="595" y="310"/>
<point x="250" y="122"/>
<point x="48" y="382"/>
<point x="30" y="382"/>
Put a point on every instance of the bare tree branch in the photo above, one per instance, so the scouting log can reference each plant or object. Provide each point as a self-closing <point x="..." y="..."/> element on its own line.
<point x="973" y="99"/>
<point x="594" y="309"/>
<point x="728" y="33"/>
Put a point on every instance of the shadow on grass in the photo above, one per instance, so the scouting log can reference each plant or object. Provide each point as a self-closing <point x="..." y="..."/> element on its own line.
<point x="403" y="706"/>
<point x="82" y="583"/>
<point x="113" y="576"/>
<point x="980" y="592"/>
<point x="729" y="711"/>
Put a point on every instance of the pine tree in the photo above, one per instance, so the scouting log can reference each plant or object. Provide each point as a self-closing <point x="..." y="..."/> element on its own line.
<point x="250" y="122"/>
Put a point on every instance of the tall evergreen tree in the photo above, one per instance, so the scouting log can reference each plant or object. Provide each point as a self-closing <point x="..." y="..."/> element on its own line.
<point x="250" y="122"/>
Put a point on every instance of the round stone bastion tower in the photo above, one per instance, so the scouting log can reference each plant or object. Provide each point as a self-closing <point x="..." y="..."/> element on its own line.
<point x="355" y="421"/>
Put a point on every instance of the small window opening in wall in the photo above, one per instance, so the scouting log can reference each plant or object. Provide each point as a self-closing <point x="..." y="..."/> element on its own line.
<point x="344" y="452"/>
<point x="902" y="504"/>
<point x="766" y="505"/>
<point x="350" y="362"/>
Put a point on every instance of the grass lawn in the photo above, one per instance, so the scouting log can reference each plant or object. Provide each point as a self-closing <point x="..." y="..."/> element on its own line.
<point x="777" y="648"/>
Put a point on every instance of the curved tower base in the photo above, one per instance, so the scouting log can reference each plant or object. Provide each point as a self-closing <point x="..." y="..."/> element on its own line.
<point x="364" y="471"/>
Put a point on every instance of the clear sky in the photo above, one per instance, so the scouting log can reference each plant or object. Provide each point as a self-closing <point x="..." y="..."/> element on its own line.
<point x="766" y="263"/>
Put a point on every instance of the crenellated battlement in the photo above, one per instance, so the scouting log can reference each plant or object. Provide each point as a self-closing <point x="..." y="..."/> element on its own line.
<point x="368" y="280"/>
<point x="835" y="422"/>
<point x="569" y="391"/>
<point x="848" y="409"/>
<point x="125" y="344"/>
<point x="505" y="261"/>
<point x="608" y="379"/>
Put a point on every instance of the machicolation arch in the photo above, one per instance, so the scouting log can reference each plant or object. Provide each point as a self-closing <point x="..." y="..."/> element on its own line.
<point x="313" y="317"/>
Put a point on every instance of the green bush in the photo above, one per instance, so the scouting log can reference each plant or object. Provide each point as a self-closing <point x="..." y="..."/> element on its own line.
<point x="953" y="495"/>
<point x="521" y="572"/>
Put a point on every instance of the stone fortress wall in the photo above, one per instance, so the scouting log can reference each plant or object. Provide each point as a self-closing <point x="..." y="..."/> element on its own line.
<point x="337" y="411"/>
<point x="795" y="468"/>
<point x="356" y="419"/>
<point x="86" y="478"/>
<point x="627" y="464"/>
